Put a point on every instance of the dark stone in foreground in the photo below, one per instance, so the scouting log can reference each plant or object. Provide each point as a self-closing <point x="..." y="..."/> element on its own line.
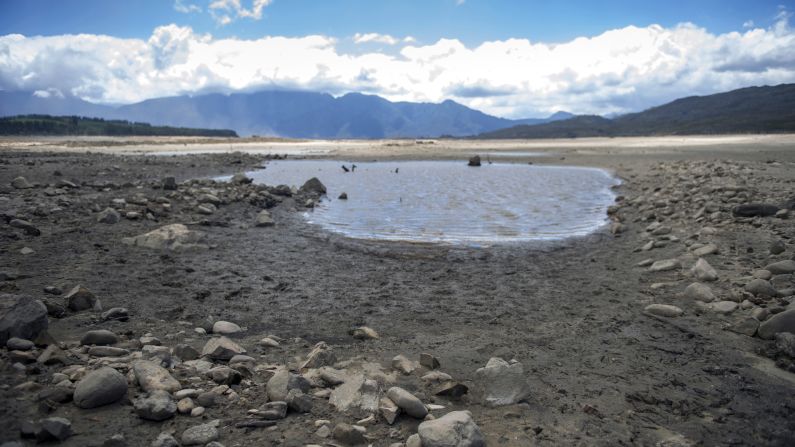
<point x="755" y="210"/>
<point x="22" y="317"/>
<point x="313" y="185"/>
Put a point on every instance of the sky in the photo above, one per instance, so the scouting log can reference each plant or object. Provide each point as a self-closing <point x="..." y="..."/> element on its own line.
<point x="509" y="58"/>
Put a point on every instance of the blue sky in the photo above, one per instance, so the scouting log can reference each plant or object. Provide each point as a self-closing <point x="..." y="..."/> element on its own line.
<point x="506" y="57"/>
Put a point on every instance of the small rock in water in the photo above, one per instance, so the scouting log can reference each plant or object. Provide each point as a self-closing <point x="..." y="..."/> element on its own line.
<point x="703" y="271"/>
<point x="474" y="161"/>
<point x="313" y="186"/>
<point x="663" y="310"/>
<point x="455" y="429"/>
<point x="343" y="196"/>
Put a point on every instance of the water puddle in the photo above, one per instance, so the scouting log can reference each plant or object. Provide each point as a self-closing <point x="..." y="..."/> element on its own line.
<point x="449" y="202"/>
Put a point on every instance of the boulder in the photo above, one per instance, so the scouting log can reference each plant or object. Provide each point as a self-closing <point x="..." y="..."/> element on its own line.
<point x="22" y="317"/>
<point x="455" y="429"/>
<point x="407" y="402"/>
<point x="501" y="383"/>
<point x="21" y="183"/>
<point x="781" y="267"/>
<point x="226" y="328"/>
<point x="221" y="348"/>
<point x="755" y="210"/>
<point x="200" y="434"/>
<point x="313" y="186"/>
<point x="80" y="298"/>
<point x="156" y="406"/>
<point x="282" y="382"/>
<point x="153" y="377"/>
<point x="99" y="337"/>
<point x="474" y="161"/>
<point x="778" y="323"/>
<point x="357" y="395"/>
<point x="699" y="292"/>
<point x="703" y="271"/>
<point x="760" y="287"/>
<point x="100" y="387"/>
<point x="170" y="237"/>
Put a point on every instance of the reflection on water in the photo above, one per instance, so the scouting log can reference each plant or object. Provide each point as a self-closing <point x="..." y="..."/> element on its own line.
<point x="445" y="201"/>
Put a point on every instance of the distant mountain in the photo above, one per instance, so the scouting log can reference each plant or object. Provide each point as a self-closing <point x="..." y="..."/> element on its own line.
<point x="282" y="113"/>
<point x="747" y="110"/>
<point x="75" y="125"/>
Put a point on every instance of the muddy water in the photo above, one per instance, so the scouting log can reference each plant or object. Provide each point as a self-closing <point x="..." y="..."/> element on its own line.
<point x="449" y="202"/>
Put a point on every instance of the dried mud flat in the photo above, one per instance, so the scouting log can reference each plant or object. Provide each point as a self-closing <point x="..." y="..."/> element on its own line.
<point x="598" y="366"/>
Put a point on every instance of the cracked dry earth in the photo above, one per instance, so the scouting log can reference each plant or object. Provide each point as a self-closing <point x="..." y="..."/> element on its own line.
<point x="599" y="368"/>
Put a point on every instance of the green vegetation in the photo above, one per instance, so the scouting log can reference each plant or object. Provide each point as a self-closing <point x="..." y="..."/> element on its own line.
<point x="82" y="126"/>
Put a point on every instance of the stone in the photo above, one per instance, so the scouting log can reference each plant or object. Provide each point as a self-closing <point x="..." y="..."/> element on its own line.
<point x="200" y="434"/>
<point x="407" y="402"/>
<point x="99" y="337"/>
<point x="665" y="265"/>
<point x="25" y="226"/>
<point x="116" y="314"/>
<point x="58" y="393"/>
<point x="724" y="307"/>
<point x="313" y="186"/>
<point x="760" y="287"/>
<point x="226" y="328"/>
<point x="108" y="216"/>
<point x="21" y="317"/>
<point x="762" y="274"/>
<point x="778" y="323"/>
<point x="455" y="429"/>
<point x="80" y="298"/>
<point x="103" y="386"/>
<point x="165" y="440"/>
<point x="436" y="376"/>
<point x="663" y="310"/>
<point x="755" y="210"/>
<point x="777" y="247"/>
<point x="208" y="399"/>
<point x="54" y="429"/>
<point x="169" y="184"/>
<point x="268" y="342"/>
<point x="364" y="333"/>
<point x="321" y="355"/>
<point x="501" y="383"/>
<point x="264" y="219"/>
<point x="185" y="352"/>
<point x="429" y="361"/>
<point x="156" y="406"/>
<point x="224" y="375"/>
<point x="197" y="412"/>
<point x="700" y="292"/>
<point x="760" y="313"/>
<point x="21" y="183"/>
<point x="331" y="376"/>
<point x="299" y="402"/>
<point x="785" y="343"/>
<point x="388" y="410"/>
<point x="450" y="388"/>
<point x="703" y="271"/>
<point x="19" y="344"/>
<point x="185" y="405"/>
<point x="474" y="161"/>
<point x="153" y="377"/>
<point x="282" y="382"/>
<point x="107" y="351"/>
<point x="781" y="267"/>
<point x="173" y="237"/>
<point x="746" y="326"/>
<point x="221" y="348"/>
<point x="343" y="196"/>
<point x="116" y="440"/>
<point x="358" y="396"/>
<point x="348" y="435"/>
<point x="273" y="410"/>
<point x="206" y="208"/>
<point x="403" y="365"/>
<point x="708" y="249"/>
<point x="241" y="179"/>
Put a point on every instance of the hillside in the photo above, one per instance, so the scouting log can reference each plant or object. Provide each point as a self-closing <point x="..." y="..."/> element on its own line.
<point x="74" y="125"/>
<point x="769" y="109"/>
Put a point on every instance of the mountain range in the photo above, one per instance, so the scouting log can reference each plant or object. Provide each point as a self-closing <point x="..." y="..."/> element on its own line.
<point x="767" y="109"/>
<point x="294" y="114"/>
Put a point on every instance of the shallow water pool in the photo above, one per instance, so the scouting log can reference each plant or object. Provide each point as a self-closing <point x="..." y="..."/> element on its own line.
<point x="450" y="202"/>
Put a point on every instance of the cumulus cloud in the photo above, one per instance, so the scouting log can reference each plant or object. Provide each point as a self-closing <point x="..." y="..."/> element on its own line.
<point x="374" y="37"/>
<point x="226" y="11"/>
<point x="186" y="8"/>
<point x="618" y="71"/>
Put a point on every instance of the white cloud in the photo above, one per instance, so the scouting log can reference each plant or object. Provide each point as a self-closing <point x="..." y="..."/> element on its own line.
<point x="748" y="24"/>
<point x="374" y="37"/>
<point x="617" y="71"/>
<point x="226" y="11"/>
<point x="186" y="8"/>
<point x="459" y="2"/>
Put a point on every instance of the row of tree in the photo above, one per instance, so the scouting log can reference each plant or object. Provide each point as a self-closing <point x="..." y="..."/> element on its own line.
<point x="22" y="125"/>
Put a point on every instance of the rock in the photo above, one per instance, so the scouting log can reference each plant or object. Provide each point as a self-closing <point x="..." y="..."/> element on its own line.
<point x="703" y="271"/>
<point x="746" y="326"/>
<point x="700" y="292"/>
<point x="25" y="226"/>
<point x="165" y="440"/>
<point x="100" y="387"/>
<point x="197" y="412"/>
<point x="157" y="406"/>
<point x="152" y="377"/>
<point x="185" y="352"/>
<point x="364" y="333"/>
<point x="357" y="395"/>
<point x="107" y="351"/>
<point x="780" y="322"/>
<point x="264" y="219"/>
<point x="80" y="298"/>
<point x="455" y="429"/>
<point x="388" y="410"/>
<point x="59" y="393"/>
<point x="474" y="161"/>
<point x="708" y="249"/>
<point x="785" y="343"/>
<point x="348" y="435"/>
<point x="169" y="184"/>
<point x="501" y="383"/>
<point x="208" y="399"/>
<point x="407" y="402"/>
<point x="108" y="216"/>
<point x="403" y="365"/>
<point x="760" y="287"/>
<point x="313" y="186"/>
<point x="19" y="344"/>
<point x="343" y="196"/>
<point x="781" y="267"/>
<point x="99" y="337"/>
<point x="116" y="440"/>
<point x="299" y="402"/>
<point x="414" y="441"/>
<point x="21" y="317"/>
<point x="224" y="375"/>
<point x="321" y="355"/>
<point x="226" y="328"/>
<point x="665" y="265"/>
<point x="241" y="179"/>
<point x="21" y="183"/>
<point x="200" y="434"/>
<point x="724" y="307"/>
<point x="221" y="348"/>
<point x="755" y="210"/>
<point x="429" y="361"/>
<point x="450" y="388"/>
<point x="185" y="405"/>
<point x="54" y="429"/>
<point x="206" y="208"/>
<point x="663" y="310"/>
<point x="170" y="237"/>
<point x="273" y="410"/>
<point x="268" y="342"/>
<point x="282" y="382"/>
<point x="777" y="247"/>
<point x="116" y="313"/>
<point x="762" y="274"/>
